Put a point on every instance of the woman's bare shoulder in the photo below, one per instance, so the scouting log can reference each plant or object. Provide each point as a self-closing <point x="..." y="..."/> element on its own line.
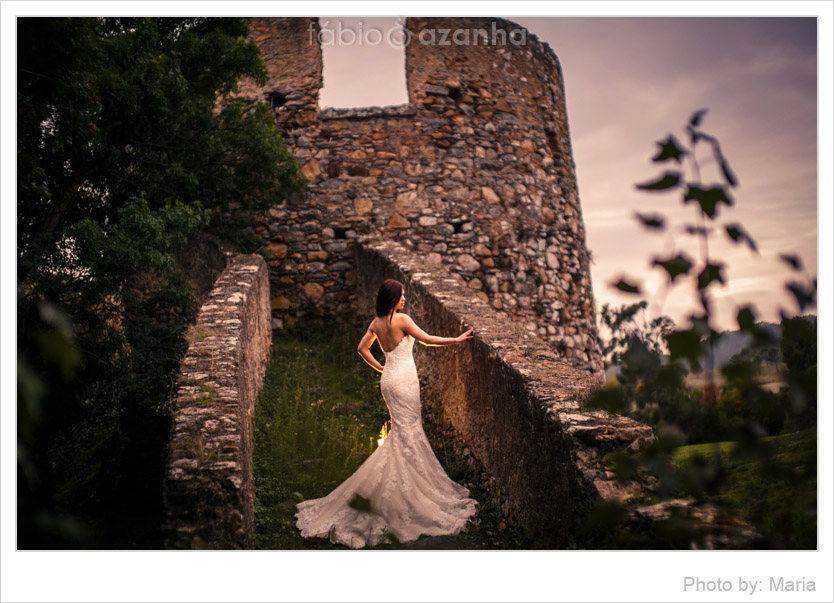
<point x="374" y="326"/>
<point x="402" y="321"/>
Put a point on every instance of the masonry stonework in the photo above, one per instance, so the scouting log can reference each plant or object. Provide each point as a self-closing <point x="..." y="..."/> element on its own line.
<point x="474" y="173"/>
<point x="506" y="394"/>
<point x="209" y="490"/>
<point x="517" y="410"/>
<point x="467" y="194"/>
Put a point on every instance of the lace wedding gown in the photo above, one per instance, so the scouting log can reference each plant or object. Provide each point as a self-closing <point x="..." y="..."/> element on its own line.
<point x="400" y="490"/>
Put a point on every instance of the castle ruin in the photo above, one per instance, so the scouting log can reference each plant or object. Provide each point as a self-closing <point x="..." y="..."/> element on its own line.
<point x="474" y="173"/>
<point x="467" y="194"/>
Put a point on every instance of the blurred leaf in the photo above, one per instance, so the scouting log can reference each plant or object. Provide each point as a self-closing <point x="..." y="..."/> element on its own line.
<point x="638" y="357"/>
<point x="30" y="389"/>
<point x="612" y="399"/>
<point x="605" y="516"/>
<point x="746" y="319"/>
<point x="696" y="118"/>
<point x="706" y="303"/>
<point x="703" y="476"/>
<point x="738" y="234"/>
<point x="696" y="230"/>
<point x="694" y="135"/>
<point x="625" y="465"/>
<point x="806" y="296"/>
<point x="710" y="274"/>
<point x="359" y="503"/>
<point x="651" y="221"/>
<point x="56" y="318"/>
<point x="670" y="436"/>
<point x="751" y="445"/>
<point x="626" y="287"/>
<point x="684" y="345"/>
<point x="747" y="324"/>
<point x="667" y="181"/>
<point x="742" y="372"/>
<point x="700" y="324"/>
<point x="675" y="266"/>
<point x="792" y="260"/>
<point x="669" y="149"/>
<point x="57" y="344"/>
<point x="728" y="173"/>
<point x="708" y="198"/>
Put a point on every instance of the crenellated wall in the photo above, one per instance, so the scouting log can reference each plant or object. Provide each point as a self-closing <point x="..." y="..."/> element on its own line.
<point x="208" y="490"/>
<point x="475" y="174"/>
<point x="509" y="398"/>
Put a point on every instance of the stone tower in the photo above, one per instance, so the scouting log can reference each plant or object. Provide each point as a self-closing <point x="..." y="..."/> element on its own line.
<point x="475" y="173"/>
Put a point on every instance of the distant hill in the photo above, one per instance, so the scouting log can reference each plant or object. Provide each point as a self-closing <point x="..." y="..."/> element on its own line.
<point x="731" y="343"/>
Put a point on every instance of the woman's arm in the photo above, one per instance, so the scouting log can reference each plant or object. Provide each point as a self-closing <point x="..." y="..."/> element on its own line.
<point x="364" y="350"/>
<point x="410" y="327"/>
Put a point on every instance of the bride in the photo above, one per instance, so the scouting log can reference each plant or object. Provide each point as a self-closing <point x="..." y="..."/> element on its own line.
<point x="401" y="491"/>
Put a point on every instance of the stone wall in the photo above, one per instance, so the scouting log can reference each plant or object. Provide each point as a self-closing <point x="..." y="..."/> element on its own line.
<point x="209" y="490"/>
<point x="475" y="174"/>
<point x="509" y="398"/>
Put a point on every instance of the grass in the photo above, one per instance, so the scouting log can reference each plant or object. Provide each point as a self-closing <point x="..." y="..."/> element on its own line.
<point x="775" y="491"/>
<point x="317" y="419"/>
<point x="316" y="415"/>
<point x="688" y="454"/>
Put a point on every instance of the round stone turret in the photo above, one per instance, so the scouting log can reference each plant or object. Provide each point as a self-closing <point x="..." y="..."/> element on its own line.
<point x="475" y="173"/>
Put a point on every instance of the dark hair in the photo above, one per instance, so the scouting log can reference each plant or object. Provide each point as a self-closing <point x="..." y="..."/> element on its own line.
<point x="388" y="297"/>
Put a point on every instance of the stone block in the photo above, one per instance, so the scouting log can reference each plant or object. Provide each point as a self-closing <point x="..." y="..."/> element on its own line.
<point x="313" y="291"/>
<point x="397" y="222"/>
<point x="362" y="206"/>
<point x="279" y="303"/>
<point x="467" y="262"/>
<point x="311" y="170"/>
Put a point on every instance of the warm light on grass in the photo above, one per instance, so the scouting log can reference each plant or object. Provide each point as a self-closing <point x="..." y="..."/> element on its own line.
<point x="383" y="434"/>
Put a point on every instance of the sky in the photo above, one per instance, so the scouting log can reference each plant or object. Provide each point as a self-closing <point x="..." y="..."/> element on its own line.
<point x="630" y="82"/>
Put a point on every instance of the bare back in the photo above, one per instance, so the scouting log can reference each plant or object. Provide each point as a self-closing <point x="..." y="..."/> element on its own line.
<point x="389" y="335"/>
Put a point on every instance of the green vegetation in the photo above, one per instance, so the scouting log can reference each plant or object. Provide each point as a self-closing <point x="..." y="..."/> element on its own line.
<point x="317" y="419"/>
<point x="747" y="472"/>
<point x="122" y="156"/>
<point x="783" y="506"/>
<point x="687" y="454"/>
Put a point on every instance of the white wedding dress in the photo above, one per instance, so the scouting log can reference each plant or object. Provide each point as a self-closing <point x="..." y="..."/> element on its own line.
<point x="401" y="490"/>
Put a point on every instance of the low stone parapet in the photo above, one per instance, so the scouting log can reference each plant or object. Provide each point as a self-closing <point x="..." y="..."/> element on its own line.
<point x="209" y="489"/>
<point x="510" y="398"/>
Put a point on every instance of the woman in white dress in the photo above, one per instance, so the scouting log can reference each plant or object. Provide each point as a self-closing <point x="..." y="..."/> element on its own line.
<point x="401" y="491"/>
